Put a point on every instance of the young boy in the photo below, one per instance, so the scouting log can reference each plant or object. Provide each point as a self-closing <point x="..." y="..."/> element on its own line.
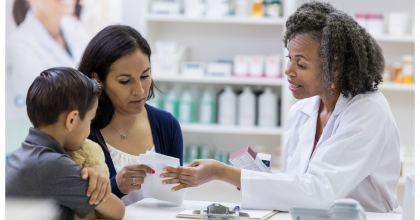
<point x="61" y="103"/>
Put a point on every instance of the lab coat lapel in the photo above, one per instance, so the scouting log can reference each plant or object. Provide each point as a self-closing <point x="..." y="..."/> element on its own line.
<point x="307" y="132"/>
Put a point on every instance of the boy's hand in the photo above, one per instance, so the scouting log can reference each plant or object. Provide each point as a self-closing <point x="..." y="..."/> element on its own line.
<point x="99" y="185"/>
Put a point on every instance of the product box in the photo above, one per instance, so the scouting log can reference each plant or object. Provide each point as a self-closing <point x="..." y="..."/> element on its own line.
<point x="272" y="66"/>
<point x="241" y="66"/>
<point x="266" y="159"/>
<point x="193" y="69"/>
<point x="248" y="160"/>
<point x="219" y="69"/>
<point x="256" y="66"/>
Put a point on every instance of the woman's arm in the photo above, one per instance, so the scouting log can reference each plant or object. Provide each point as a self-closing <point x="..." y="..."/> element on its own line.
<point x="200" y="172"/>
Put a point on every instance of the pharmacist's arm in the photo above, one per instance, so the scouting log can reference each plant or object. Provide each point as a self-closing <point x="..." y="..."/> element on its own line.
<point x="200" y="172"/>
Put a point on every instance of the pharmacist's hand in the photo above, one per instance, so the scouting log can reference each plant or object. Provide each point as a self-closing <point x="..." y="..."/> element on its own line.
<point x="125" y="178"/>
<point x="99" y="185"/>
<point x="195" y="174"/>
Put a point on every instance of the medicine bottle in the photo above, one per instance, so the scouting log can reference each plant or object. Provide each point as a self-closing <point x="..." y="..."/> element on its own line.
<point x="398" y="72"/>
<point x="257" y="8"/>
<point x="407" y="69"/>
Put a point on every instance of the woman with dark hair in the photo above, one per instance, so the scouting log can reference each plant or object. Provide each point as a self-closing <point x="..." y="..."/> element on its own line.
<point x="118" y="57"/>
<point x="47" y="36"/>
<point x="340" y="140"/>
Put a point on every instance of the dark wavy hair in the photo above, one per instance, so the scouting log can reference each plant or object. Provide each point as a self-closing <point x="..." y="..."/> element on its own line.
<point x="109" y="45"/>
<point x="351" y="58"/>
<point x="53" y="93"/>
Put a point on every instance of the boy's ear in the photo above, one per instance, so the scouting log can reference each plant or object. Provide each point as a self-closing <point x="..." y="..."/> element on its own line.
<point x="71" y="120"/>
<point x="95" y="76"/>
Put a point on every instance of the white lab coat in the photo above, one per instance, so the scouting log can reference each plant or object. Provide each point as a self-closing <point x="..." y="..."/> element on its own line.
<point x="356" y="157"/>
<point x="30" y="51"/>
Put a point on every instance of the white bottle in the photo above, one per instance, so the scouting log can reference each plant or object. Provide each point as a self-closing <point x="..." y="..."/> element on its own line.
<point x="227" y="107"/>
<point x="246" y="107"/>
<point x="186" y="108"/>
<point x="207" y="107"/>
<point x="267" y="109"/>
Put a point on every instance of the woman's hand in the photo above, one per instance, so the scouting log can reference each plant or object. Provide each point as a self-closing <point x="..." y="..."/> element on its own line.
<point x="125" y="178"/>
<point x="200" y="172"/>
<point x="99" y="185"/>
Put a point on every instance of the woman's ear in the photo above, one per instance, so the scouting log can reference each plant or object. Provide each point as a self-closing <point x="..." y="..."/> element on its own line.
<point x="95" y="76"/>
<point x="71" y="120"/>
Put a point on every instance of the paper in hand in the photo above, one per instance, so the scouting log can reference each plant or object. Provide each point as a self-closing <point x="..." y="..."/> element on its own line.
<point x="152" y="186"/>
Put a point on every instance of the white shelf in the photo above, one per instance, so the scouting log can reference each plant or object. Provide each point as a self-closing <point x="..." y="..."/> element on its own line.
<point x="395" y="39"/>
<point x="219" y="20"/>
<point x="219" y="80"/>
<point x="224" y="129"/>
<point x="396" y="87"/>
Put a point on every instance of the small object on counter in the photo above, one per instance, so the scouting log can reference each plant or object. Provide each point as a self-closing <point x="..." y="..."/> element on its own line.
<point x="219" y="69"/>
<point x="256" y="66"/>
<point x="241" y="66"/>
<point x="375" y="24"/>
<point x="272" y="66"/>
<point x="258" y="8"/>
<point x="407" y="69"/>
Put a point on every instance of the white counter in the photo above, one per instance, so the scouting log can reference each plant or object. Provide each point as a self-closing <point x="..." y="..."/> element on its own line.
<point x="150" y="209"/>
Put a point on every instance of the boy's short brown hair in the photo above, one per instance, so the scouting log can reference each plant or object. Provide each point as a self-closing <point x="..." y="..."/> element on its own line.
<point x="57" y="90"/>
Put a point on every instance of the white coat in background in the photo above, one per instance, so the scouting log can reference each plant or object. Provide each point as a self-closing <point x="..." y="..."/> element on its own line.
<point x="29" y="51"/>
<point x="356" y="157"/>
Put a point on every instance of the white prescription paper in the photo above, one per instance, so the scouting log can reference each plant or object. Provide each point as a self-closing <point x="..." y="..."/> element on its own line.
<point x="253" y="214"/>
<point x="152" y="186"/>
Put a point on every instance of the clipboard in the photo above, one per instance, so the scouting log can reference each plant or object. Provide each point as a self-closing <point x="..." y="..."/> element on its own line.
<point x="268" y="216"/>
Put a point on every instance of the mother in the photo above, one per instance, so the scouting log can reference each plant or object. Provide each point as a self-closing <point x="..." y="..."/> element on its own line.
<point x="340" y="140"/>
<point x="118" y="57"/>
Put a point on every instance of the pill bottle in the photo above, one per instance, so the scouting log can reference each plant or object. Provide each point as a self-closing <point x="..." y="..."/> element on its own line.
<point x="398" y="72"/>
<point x="407" y="69"/>
<point x="257" y="8"/>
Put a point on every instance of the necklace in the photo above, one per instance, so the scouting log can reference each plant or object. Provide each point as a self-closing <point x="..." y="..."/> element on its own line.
<point x="123" y="136"/>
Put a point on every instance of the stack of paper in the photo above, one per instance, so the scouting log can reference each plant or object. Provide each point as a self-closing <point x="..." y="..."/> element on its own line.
<point x="248" y="160"/>
<point x="152" y="186"/>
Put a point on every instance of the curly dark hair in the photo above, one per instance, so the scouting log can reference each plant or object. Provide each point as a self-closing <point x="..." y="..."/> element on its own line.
<point x="351" y="58"/>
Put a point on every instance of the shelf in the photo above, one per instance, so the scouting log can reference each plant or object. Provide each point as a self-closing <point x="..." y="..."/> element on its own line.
<point x="218" y="20"/>
<point x="219" y="80"/>
<point x="225" y="129"/>
<point x="395" y="39"/>
<point x="390" y="86"/>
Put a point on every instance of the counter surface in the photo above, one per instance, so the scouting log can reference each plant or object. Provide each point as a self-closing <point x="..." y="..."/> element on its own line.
<point x="151" y="209"/>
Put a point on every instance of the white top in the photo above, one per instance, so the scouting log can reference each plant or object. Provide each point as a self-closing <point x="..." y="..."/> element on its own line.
<point x="153" y="209"/>
<point x="120" y="159"/>
<point x="356" y="157"/>
<point x="31" y="50"/>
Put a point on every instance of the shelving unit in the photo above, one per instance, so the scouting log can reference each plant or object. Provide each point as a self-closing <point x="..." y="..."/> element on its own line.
<point x="219" y="80"/>
<point x="234" y="129"/>
<point x="223" y="20"/>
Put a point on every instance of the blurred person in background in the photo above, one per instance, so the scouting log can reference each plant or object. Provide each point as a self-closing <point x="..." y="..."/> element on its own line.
<point x="48" y="34"/>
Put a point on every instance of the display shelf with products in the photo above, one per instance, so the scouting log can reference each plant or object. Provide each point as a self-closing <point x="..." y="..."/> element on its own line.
<point x="219" y="20"/>
<point x="219" y="80"/>
<point x="395" y="39"/>
<point x="391" y="86"/>
<point x="233" y="129"/>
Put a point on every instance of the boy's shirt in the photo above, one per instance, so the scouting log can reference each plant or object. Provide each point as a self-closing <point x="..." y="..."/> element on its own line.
<point x="41" y="168"/>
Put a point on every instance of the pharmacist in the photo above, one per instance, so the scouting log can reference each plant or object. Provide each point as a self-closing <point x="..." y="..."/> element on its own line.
<point x="340" y="140"/>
